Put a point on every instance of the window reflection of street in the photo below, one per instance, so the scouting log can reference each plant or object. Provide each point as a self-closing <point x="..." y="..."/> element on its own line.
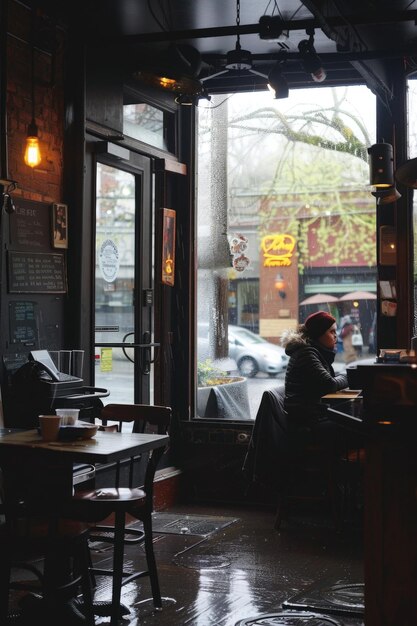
<point x="119" y="381"/>
<point x="302" y="209"/>
<point x="228" y="584"/>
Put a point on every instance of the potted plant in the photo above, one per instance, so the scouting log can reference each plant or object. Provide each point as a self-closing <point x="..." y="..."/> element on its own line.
<point x="220" y="395"/>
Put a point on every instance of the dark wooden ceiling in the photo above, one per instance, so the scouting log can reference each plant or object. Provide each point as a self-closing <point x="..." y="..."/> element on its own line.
<point x="355" y="39"/>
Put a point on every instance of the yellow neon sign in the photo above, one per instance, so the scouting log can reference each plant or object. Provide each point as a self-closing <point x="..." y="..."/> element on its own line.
<point x="278" y="249"/>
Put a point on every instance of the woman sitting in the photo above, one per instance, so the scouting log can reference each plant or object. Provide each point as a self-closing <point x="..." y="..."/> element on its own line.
<point x="310" y="375"/>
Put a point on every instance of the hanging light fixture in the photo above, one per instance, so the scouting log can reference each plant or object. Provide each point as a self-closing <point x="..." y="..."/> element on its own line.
<point x="381" y="165"/>
<point x="310" y="59"/>
<point x="176" y="69"/>
<point x="32" y="151"/>
<point x="238" y="59"/>
<point x="32" y="156"/>
<point x="192" y="100"/>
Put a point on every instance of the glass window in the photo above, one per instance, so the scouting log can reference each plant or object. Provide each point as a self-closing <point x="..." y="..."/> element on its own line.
<point x="149" y="124"/>
<point x="144" y="122"/>
<point x="286" y="226"/>
<point x="114" y="280"/>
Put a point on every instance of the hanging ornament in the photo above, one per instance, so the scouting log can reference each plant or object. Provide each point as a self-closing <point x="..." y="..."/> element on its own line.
<point x="240" y="262"/>
<point x="238" y="244"/>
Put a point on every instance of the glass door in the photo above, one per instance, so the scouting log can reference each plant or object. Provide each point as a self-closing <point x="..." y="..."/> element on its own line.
<point x="124" y="350"/>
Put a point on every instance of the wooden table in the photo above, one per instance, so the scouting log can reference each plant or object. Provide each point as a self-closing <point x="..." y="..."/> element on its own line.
<point x="33" y="466"/>
<point x="52" y="462"/>
<point x="104" y="447"/>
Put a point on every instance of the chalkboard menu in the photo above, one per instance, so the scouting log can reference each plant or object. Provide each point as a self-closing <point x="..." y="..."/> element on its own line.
<point x="36" y="272"/>
<point x="30" y="226"/>
<point x="23" y="322"/>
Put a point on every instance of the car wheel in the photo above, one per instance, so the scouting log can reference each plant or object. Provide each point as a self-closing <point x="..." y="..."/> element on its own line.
<point x="248" y="367"/>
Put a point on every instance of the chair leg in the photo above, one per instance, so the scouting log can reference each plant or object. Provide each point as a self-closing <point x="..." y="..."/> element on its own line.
<point x="118" y="558"/>
<point x="279" y="512"/>
<point x="93" y="581"/>
<point x="151" y="563"/>
<point x="86" y="583"/>
<point x="64" y="573"/>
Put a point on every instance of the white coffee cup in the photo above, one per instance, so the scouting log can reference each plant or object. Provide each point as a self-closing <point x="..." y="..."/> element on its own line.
<point x="69" y="417"/>
<point x="49" y="427"/>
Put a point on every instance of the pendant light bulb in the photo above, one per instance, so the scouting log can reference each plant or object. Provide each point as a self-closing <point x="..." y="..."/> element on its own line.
<point x="32" y="156"/>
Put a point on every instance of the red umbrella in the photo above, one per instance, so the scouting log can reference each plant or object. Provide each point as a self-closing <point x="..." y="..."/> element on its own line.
<point x="358" y="295"/>
<point x="320" y="298"/>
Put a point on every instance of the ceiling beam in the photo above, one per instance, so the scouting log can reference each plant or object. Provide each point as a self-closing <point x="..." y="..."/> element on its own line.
<point x="383" y="17"/>
<point x="326" y="57"/>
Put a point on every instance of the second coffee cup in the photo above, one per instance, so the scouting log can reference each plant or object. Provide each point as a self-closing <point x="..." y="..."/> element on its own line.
<point x="69" y="417"/>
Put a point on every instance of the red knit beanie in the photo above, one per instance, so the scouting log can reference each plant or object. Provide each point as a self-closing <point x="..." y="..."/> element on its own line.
<point x="317" y="323"/>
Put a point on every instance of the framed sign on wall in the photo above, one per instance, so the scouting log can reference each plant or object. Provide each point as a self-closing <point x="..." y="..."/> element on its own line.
<point x="60" y="226"/>
<point x="168" y="247"/>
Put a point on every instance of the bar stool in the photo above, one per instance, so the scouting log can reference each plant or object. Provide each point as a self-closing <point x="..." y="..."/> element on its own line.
<point x="94" y="506"/>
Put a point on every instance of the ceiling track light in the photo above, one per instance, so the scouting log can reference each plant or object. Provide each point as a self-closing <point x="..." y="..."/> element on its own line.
<point x="277" y="82"/>
<point x="310" y="59"/>
<point x="272" y="28"/>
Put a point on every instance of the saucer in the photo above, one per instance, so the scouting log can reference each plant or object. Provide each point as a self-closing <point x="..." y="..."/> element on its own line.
<point x="80" y="430"/>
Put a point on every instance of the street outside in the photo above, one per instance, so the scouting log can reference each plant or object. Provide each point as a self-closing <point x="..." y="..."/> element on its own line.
<point x="119" y="381"/>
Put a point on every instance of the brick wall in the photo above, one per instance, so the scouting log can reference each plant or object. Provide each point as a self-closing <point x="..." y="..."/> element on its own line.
<point x="43" y="183"/>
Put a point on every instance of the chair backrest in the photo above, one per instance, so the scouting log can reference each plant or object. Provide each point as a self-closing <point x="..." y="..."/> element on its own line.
<point x="267" y="449"/>
<point x="144" y="418"/>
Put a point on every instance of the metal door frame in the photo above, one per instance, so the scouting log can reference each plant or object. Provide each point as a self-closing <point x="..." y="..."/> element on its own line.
<point x="139" y="166"/>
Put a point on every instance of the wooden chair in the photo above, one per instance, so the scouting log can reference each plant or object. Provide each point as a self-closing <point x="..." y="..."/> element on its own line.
<point x="94" y="506"/>
<point x="309" y="478"/>
<point x="319" y="474"/>
<point x="350" y="485"/>
<point x="281" y="459"/>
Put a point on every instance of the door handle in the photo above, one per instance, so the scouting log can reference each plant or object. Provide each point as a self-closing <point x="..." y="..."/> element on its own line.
<point x="145" y="354"/>
<point x="145" y="348"/>
<point x="145" y="360"/>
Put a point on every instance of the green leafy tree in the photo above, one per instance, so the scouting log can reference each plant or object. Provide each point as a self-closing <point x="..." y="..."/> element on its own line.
<point x="308" y="168"/>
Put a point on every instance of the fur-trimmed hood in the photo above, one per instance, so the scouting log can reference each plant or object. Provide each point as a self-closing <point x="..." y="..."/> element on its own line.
<point x="292" y="340"/>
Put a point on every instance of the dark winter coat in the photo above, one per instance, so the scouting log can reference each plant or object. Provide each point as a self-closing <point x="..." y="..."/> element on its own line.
<point x="309" y="376"/>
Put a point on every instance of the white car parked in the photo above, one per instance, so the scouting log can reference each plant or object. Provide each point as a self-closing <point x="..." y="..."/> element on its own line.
<point x="254" y="354"/>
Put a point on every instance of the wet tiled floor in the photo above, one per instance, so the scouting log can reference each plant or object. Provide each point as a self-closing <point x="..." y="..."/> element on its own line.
<point x="239" y="570"/>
